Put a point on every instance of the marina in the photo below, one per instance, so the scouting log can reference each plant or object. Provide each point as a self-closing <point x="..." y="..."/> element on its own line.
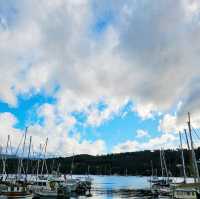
<point x="46" y="183"/>
<point x="99" y="99"/>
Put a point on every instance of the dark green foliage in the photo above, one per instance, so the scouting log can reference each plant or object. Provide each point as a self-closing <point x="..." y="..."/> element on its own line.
<point x="133" y="163"/>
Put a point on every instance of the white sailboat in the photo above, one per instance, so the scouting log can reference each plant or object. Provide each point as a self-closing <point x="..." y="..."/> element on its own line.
<point x="161" y="186"/>
<point x="188" y="190"/>
<point x="13" y="187"/>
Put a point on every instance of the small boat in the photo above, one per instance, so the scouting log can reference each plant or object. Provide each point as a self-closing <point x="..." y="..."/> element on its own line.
<point x="49" y="188"/>
<point x="72" y="184"/>
<point x="15" y="190"/>
<point x="161" y="186"/>
<point x="84" y="184"/>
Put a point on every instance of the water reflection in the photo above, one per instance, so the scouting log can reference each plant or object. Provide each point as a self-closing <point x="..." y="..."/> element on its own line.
<point x="116" y="187"/>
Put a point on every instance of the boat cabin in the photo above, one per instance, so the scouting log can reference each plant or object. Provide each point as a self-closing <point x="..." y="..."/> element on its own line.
<point x="186" y="194"/>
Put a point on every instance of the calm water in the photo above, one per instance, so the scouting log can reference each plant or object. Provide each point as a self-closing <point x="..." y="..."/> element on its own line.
<point x="108" y="187"/>
<point x="116" y="187"/>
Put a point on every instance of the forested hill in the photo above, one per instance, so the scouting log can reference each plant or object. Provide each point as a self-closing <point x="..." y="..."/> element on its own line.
<point x="133" y="163"/>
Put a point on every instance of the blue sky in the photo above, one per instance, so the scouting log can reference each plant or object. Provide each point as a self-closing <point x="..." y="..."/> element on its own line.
<point x="98" y="77"/>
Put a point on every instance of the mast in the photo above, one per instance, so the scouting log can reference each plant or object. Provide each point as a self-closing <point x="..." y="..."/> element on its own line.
<point x="1" y="155"/>
<point x="5" y="157"/>
<point x="188" y="145"/>
<point x="161" y="163"/>
<point x="72" y="166"/>
<point x="182" y="158"/>
<point x="38" y="162"/>
<point x="152" y="173"/>
<point x="165" y="165"/>
<point x="195" y="166"/>
<point x="20" y="165"/>
<point x="44" y="160"/>
<point x="88" y="170"/>
<point x="29" y="151"/>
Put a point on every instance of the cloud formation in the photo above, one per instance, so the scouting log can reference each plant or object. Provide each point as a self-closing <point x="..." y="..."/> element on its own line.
<point x="147" y="52"/>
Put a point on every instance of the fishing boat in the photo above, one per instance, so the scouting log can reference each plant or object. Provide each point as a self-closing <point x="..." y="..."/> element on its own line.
<point x="49" y="188"/>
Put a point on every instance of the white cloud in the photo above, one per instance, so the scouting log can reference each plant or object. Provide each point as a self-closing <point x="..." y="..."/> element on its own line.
<point x="164" y="141"/>
<point x="56" y="128"/>
<point x="127" y="146"/>
<point x="113" y="108"/>
<point x="142" y="133"/>
<point x="149" y="57"/>
<point x="145" y="111"/>
<point x="7" y="127"/>
<point x="135" y="57"/>
<point x="168" y="124"/>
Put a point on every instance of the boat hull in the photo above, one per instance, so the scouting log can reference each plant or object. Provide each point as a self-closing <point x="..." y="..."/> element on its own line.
<point x="16" y="195"/>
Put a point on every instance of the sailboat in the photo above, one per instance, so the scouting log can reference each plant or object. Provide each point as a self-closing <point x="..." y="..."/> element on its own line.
<point x="188" y="190"/>
<point x="161" y="186"/>
<point x="13" y="187"/>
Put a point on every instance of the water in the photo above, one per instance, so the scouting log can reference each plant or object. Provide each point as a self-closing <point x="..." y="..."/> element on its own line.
<point x="115" y="187"/>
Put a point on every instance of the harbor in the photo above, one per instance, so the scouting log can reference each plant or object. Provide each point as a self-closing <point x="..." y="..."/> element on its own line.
<point x="34" y="178"/>
<point x="99" y="99"/>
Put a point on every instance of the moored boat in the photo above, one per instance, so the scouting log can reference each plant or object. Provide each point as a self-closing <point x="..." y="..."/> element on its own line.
<point x="186" y="191"/>
<point x="15" y="190"/>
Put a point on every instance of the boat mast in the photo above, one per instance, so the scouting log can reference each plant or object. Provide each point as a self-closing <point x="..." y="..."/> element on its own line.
<point x="195" y="166"/>
<point x="5" y="156"/>
<point x="29" y="151"/>
<point x="165" y="165"/>
<point x="182" y="158"/>
<point x="20" y="165"/>
<point x="1" y="155"/>
<point x="188" y="145"/>
<point x="44" y="160"/>
<point x="161" y="162"/>
<point x="152" y="173"/>
<point x="72" y="165"/>
<point x="38" y="162"/>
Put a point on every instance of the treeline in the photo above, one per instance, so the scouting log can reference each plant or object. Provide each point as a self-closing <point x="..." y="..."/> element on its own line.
<point x="133" y="163"/>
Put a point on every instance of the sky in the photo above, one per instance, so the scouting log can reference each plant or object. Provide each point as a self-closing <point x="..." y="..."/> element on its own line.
<point x="98" y="77"/>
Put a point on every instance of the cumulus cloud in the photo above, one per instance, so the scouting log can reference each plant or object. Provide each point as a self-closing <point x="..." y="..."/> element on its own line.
<point x="57" y="127"/>
<point x="142" y="133"/>
<point x="7" y="128"/>
<point x="61" y="48"/>
<point x="164" y="141"/>
<point x="148" y="53"/>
